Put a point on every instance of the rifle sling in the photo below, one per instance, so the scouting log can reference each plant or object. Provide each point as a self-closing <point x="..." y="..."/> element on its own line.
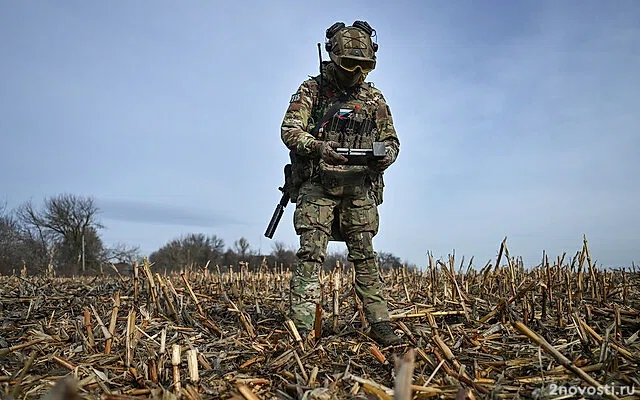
<point x="329" y="114"/>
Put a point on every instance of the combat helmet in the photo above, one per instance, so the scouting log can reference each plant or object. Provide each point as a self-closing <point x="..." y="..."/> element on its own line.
<point x="351" y="47"/>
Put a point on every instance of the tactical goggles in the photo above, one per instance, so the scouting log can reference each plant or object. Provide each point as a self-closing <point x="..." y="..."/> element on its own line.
<point x="351" y="64"/>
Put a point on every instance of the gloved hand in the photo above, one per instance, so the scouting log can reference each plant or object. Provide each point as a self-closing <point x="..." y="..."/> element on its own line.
<point x="326" y="152"/>
<point x="381" y="164"/>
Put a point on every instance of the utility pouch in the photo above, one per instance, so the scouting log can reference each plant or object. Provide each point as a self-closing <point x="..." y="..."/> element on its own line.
<point x="343" y="181"/>
<point x="301" y="170"/>
<point x="377" y="188"/>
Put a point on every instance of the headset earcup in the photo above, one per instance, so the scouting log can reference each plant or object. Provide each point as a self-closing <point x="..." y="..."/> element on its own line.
<point x="333" y="29"/>
<point x="327" y="47"/>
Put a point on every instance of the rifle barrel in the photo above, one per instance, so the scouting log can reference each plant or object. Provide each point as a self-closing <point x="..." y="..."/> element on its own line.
<point x="275" y="220"/>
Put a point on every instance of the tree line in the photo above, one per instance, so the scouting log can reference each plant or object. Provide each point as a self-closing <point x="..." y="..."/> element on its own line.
<point x="62" y="237"/>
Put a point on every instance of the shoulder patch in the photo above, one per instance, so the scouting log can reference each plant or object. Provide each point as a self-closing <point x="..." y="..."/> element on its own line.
<point x="295" y="97"/>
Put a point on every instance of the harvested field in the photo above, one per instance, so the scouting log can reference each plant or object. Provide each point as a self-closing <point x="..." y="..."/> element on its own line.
<point x="497" y="332"/>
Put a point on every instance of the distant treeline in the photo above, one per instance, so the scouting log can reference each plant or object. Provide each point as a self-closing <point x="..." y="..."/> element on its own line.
<point x="62" y="237"/>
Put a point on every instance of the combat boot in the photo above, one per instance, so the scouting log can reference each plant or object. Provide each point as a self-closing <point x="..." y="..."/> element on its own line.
<point x="382" y="332"/>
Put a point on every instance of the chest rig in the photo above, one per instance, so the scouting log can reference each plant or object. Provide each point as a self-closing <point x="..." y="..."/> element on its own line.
<point x="348" y="119"/>
<point x="352" y="120"/>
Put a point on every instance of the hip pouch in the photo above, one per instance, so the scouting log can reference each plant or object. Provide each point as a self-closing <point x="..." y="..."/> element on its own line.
<point x="301" y="170"/>
<point x="344" y="180"/>
<point x="377" y="188"/>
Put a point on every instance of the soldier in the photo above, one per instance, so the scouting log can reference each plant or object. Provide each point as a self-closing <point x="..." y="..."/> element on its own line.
<point x="336" y="201"/>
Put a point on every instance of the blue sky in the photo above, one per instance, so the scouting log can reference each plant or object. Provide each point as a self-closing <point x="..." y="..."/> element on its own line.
<point x="516" y="118"/>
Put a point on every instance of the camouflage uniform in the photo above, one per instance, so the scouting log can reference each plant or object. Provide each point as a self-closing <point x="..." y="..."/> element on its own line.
<point x="336" y="202"/>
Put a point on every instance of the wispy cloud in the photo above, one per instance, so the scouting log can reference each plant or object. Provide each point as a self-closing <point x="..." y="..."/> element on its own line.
<point x="163" y="214"/>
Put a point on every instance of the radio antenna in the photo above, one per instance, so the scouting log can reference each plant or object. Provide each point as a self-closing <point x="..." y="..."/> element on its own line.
<point x="320" y="58"/>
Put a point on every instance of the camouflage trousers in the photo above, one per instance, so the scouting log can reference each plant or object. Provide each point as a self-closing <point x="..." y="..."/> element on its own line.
<point x="358" y="221"/>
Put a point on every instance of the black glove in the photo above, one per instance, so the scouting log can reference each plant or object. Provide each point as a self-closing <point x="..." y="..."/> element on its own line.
<point x="326" y="152"/>
<point x="381" y="164"/>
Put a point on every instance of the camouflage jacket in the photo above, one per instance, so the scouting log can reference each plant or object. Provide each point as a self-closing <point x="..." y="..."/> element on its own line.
<point x="307" y="106"/>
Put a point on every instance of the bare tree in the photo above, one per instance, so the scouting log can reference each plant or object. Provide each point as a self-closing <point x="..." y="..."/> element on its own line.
<point x="66" y="215"/>
<point x="9" y="241"/>
<point x="217" y="245"/>
<point x="7" y="222"/>
<point x="334" y="258"/>
<point x="388" y="261"/>
<point x="17" y="248"/>
<point x="242" y="247"/>
<point x="193" y="249"/>
<point x="283" y="255"/>
<point x="122" y="253"/>
<point x="67" y="222"/>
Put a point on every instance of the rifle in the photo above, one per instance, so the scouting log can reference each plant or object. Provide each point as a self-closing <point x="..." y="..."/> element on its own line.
<point x="284" y="200"/>
<point x="286" y="196"/>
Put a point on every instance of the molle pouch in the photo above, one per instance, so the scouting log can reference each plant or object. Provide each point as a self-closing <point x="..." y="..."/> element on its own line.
<point x="367" y="127"/>
<point x="301" y="170"/>
<point x="353" y="127"/>
<point x="343" y="180"/>
<point x="377" y="188"/>
<point x="337" y="124"/>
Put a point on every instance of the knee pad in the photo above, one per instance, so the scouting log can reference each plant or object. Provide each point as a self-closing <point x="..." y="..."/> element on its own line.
<point x="360" y="245"/>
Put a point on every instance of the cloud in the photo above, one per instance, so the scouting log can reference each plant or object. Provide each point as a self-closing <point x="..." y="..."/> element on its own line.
<point x="162" y="214"/>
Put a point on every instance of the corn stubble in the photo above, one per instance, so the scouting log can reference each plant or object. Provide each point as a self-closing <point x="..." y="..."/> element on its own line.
<point x="501" y="331"/>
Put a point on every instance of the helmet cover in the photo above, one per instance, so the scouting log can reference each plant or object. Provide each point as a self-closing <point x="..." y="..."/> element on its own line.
<point x="350" y="48"/>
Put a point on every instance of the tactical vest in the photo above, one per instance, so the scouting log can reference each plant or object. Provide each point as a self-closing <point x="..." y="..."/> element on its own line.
<point x="353" y="125"/>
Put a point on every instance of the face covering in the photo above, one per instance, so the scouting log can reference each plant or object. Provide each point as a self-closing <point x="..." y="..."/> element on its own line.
<point x="346" y="79"/>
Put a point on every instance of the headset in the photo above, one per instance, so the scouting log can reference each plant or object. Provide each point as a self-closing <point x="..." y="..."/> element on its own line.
<point x="336" y="27"/>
